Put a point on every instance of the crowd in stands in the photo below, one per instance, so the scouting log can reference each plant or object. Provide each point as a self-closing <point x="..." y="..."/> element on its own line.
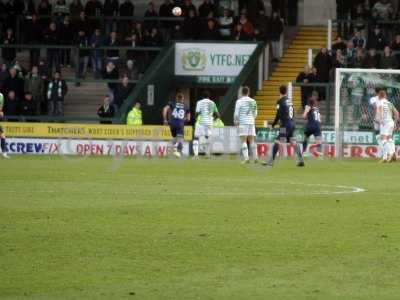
<point x="87" y="25"/>
<point x="368" y="37"/>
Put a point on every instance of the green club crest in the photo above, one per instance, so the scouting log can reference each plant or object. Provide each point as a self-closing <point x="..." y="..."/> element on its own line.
<point x="194" y="59"/>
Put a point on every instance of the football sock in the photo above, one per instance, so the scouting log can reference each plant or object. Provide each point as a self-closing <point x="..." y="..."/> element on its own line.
<point x="207" y="146"/>
<point x="245" y="151"/>
<point x="385" y="150"/>
<point x="298" y="152"/>
<point x="196" y="147"/>
<point x="380" y="147"/>
<point x="253" y="150"/>
<point x="3" y="145"/>
<point x="275" y="150"/>
<point x="180" y="146"/>
<point x="392" y="147"/>
<point x="319" y="148"/>
<point x="305" y="143"/>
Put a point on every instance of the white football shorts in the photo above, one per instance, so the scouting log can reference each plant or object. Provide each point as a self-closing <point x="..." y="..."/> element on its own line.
<point x="387" y="129"/>
<point x="203" y="130"/>
<point x="247" y="130"/>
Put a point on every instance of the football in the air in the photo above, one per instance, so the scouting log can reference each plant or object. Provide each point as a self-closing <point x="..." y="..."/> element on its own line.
<point x="177" y="11"/>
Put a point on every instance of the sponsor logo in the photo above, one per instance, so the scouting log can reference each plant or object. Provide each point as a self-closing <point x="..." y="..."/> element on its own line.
<point x="194" y="59"/>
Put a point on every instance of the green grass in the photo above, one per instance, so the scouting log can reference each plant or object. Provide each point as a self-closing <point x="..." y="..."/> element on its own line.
<point x="99" y="228"/>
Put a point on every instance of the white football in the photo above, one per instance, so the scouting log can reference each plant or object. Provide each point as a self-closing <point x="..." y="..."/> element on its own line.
<point x="177" y="11"/>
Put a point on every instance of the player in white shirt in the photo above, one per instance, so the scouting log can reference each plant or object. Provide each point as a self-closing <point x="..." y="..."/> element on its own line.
<point x="206" y="111"/>
<point x="244" y="117"/>
<point x="373" y="102"/>
<point x="387" y="115"/>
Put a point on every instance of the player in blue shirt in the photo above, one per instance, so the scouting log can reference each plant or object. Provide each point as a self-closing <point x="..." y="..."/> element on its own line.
<point x="175" y="114"/>
<point x="285" y="118"/>
<point x="313" y="126"/>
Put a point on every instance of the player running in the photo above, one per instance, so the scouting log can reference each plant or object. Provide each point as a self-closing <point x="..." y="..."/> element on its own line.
<point x="244" y="117"/>
<point x="285" y="115"/>
<point x="387" y="116"/>
<point x="2" y="134"/>
<point x="206" y="111"/>
<point x="175" y="114"/>
<point x="313" y="126"/>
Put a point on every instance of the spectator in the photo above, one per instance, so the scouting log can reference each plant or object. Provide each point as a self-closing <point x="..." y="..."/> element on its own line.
<point x="323" y="63"/>
<point x="247" y="25"/>
<point x="191" y="26"/>
<point x="262" y="23"/>
<point x="110" y="10"/>
<point x="388" y="60"/>
<point x="188" y="6"/>
<point x="239" y="34"/>
<point x="83" y="53"/>
<point x="3" y="75"/>
<point x="8" y="54"/>
<point x="135" y="115"/>
<point x="177" y="33"/>
<point x="377" y="40"/>
<point x="43" y="70"/>
<point x="205" y="8"/>
<point x="93" y="8"/>
<point x="51" y="38"/>
<point x="67" y="33"/>
<point x="126" y="9"/>
<point x="27" y="107"/>
<point x="96" y="41"/>
<point x="111" y="73"/>
<point x="165" y="11"/>
<point x="371" y="60"/>
<point x="358" y="59"/>
<point x="211" y="32"/>
<point x="132" y="71"/>
<point x="60" y="10"/>
<point x="358" y="40"/>
<point x="75" y="8"/>
<point x="14" y="83"/>
<point x="122" y="92"/>
<point x="275" y="31"/>
<point x="44" y="10"/>
<point x="113" y="54"/>
<point x="349" y="53"/>
<point x="12" y="104"/>
<point x="384" y="9"/>
<point x="339" y="61"/>
<point x="359" y="15"/>
<point x="396" y="47"/>
<point x="56" y="91"/>
<point x="153" y="39"/>
<point x="306" y="77"/>
<point x="150" y="13"/>
<point x="106" y="110"/>
<point x="34" y="36"/>
<point x="83" y="23"/>
<point x="339" y="44"/>
<point x="225" y="25"/>
<point x="34" y="85"/>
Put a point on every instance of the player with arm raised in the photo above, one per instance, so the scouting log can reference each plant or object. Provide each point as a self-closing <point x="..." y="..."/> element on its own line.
<point x="2" y="134"/>
<point x="175" y="114"/>
<point x="206" y="111"/>
<point x="244" y="117"/>
<point x="285" y="117"/>
<point x="387" y="116"/>
<point x="313" y="126"/>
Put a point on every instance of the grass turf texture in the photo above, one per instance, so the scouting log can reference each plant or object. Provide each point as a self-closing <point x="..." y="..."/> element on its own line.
<point x="165" y="229"/>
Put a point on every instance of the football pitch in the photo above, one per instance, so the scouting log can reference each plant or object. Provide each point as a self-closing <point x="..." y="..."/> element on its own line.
<point x="104" y="228"/>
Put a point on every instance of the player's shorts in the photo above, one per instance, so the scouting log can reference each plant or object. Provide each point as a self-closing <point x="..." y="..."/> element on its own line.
<point x="247" y="130"/>
<point x="203" y="130"/>
<point x="387" y="129"/>
<point x="312" y="130"/>
<point x="177" y="130"/>
<point x="286" y="133"/>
